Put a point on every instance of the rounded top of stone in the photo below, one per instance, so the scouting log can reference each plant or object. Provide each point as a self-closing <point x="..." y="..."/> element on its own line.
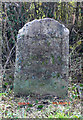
<point x="46" y="26"/>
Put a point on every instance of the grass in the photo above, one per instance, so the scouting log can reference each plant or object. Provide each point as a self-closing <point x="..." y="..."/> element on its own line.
<point x="63" y="115"/>
<point x="11" y="109"/>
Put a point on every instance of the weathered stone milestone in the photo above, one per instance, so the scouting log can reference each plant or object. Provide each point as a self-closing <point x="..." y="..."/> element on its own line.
<point x="42" y="52"/>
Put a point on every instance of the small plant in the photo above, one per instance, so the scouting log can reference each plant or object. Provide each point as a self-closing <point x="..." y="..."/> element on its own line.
<point x="2" y="94"/>
<point x="36" y="101"/>
<point x="30" y="105"/>
<point x="40" y="106"/>
<point x="5" y="83"/>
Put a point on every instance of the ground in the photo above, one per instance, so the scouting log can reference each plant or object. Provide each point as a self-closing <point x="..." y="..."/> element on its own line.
<point x="41" y="107"/>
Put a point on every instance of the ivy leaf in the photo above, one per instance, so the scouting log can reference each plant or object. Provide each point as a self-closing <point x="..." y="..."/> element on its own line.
<point x="36" y="101"/>
<point x="5" y="83"/>
<point x="40" y="106"/>
<point x="30" y="105"/>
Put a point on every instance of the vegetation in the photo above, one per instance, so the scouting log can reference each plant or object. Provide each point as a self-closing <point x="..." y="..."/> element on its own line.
<point x="14" y="16"/>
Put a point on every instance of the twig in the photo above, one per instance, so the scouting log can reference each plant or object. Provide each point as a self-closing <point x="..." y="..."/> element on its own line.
<point x="8" y="58"/>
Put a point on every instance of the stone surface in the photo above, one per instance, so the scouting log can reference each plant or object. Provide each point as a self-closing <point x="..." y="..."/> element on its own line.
<point x="42" y="58"/>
